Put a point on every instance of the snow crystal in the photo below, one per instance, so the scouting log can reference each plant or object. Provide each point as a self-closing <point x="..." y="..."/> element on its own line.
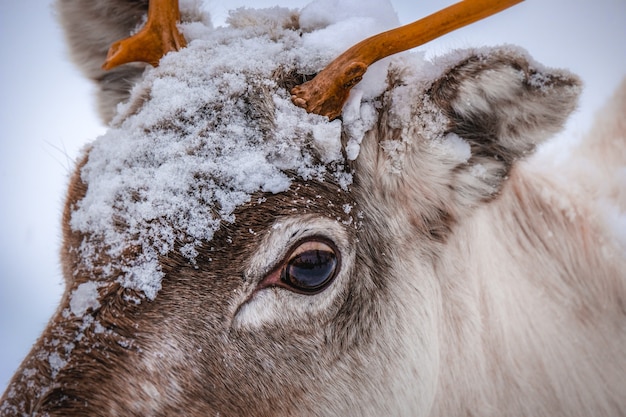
<point x="98" y="328"/>
<point x="479" y="171"/>
<point x="56" y="364"/>
<point x="83" y="298"/>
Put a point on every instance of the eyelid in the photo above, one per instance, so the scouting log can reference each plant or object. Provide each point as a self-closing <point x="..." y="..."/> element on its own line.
<point x="273" y="278"/>
<point x="310" y="245"/>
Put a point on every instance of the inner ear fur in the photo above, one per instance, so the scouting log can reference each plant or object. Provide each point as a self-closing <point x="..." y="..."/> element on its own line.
<point x="503" y="103"/>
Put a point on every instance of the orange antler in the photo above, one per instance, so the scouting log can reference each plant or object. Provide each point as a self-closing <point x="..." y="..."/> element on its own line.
<point x="158" y="37"/>
<point x="328" y="91"/>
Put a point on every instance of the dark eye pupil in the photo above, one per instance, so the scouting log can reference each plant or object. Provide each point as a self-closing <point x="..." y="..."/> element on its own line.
<point x="311" y="270"/>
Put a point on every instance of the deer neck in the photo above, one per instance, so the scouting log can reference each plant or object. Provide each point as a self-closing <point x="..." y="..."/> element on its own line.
<point x="514" y="321"/>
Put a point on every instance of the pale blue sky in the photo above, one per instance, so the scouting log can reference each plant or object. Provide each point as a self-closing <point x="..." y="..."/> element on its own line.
<point x="47" y="114"/>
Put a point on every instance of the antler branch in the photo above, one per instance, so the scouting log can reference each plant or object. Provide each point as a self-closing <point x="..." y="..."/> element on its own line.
<point x="158" y="37"/>
<point x="328" y="91"/>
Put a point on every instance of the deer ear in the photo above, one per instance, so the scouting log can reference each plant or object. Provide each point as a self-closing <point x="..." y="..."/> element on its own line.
<point x="503" y="104"/>
<point x="91" y="27"/>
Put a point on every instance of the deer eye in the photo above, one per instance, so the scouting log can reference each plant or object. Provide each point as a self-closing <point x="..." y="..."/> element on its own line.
<point x="311" y="267"/>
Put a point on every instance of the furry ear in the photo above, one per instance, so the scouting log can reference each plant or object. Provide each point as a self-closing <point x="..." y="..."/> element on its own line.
<point x="90" y="29"/>
<point x="442" y="148"/>
<point x="503" y="104"/>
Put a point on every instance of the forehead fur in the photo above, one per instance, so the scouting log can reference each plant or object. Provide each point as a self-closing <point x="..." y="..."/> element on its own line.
<point x="202" y="133"/>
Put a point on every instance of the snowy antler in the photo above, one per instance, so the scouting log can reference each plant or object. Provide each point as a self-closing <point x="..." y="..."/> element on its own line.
<point x="158" y="37"/>
<point x="328" y="91"/>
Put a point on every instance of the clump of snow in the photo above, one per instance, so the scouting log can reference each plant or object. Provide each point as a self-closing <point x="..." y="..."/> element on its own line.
<point x="457" y="148"/>
<point x="84" y="297"/>
<point x="211" y="126"/>
<point x="56" y="363"/>
<point x="359" y="117"/>
<point x="327" y="140"/>
<point x="320" y="14"/>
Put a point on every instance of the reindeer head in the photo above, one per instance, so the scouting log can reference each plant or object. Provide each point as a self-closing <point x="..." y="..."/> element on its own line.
<point x="227" y="253"/>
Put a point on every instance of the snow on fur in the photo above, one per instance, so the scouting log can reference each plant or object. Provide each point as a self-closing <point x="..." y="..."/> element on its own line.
<point x="211" y="126"/>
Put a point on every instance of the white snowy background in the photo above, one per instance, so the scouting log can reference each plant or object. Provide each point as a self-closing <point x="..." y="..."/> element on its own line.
<point x="47" y="114"/>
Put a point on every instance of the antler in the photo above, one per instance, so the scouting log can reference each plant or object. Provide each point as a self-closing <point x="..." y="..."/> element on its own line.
<point x="328" y="91"/>
<point x="158" y="37"/>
